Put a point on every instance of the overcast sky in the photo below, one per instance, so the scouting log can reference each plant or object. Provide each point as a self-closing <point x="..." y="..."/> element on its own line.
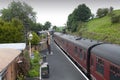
<point x="57" y="11"/>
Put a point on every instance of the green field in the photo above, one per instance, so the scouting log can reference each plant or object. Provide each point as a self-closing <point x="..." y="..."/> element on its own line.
<point x="103" y="30"/>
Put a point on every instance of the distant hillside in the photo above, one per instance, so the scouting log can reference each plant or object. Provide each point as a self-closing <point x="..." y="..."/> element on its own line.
<point x="103" y="30"/>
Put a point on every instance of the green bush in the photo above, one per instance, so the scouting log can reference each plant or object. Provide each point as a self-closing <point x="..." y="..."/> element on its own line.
<point x="35" y="40"/>
<point x="34" y="70"/>
<point x="20" y="77"/>
<point x="115" y="19"/>
<point x="33" y="73"/>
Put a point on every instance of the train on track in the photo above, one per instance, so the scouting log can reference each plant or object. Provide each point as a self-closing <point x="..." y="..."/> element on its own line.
<point x="98" y="60"/>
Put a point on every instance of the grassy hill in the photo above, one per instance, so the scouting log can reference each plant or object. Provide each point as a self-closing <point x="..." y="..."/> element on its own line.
<point x="103" y="30"/>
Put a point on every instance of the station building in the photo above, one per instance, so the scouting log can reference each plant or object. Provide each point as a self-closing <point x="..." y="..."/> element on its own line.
<point x="9" y="58"/>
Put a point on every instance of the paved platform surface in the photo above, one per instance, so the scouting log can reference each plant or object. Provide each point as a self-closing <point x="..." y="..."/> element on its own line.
<point x="60" y="67"/>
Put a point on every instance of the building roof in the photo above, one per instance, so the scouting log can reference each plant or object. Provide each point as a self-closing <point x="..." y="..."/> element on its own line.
<point x="7" y="55"/>
<point x="19" y="46"/>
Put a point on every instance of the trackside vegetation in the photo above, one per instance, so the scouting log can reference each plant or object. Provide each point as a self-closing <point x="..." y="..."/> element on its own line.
<point x="34" y="68"/>
<point x="102" y="29"/>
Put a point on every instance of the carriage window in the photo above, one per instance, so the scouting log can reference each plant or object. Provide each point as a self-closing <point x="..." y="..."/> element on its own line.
<point x="76" y="51"/>
<point x="100" y="66"/>
<point x="114" y="73"/>
<point x="85" y="55"/>
<point x="92" y="61"/>
<point x="80" y="50"/>
<point x="81" y="55"/>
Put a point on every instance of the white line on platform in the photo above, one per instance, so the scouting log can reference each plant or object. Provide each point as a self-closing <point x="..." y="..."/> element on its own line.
<point x="40" y="74"/>
<point x="73" y="63"/>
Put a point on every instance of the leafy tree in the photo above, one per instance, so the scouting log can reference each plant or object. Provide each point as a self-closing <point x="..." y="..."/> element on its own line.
<point x="72" y="23"/>
<point x="19" y="10"/>
<point x="101" y="12"/>
<point x="47" y="25"/>
<point x="105" y="11"/>
<point x="35" y="40"/>
<point x="36" y="27"/>
<point x="69" y="22"/>
<point x="54" y="28"/>
<point x="111" y="9"/>
<point x="81" y="14"/>
<point x="115" y="19"/>
<point x="11" y="32"/>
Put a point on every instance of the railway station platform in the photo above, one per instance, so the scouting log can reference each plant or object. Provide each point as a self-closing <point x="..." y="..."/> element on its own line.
<point x="60" y="67"/>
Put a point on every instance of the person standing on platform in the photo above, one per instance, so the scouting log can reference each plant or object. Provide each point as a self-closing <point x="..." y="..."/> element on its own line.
<point x="48" y="43"/>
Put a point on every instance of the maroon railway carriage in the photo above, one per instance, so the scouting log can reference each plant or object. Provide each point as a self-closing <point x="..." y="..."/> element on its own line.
<point x="99" y="61"/>
<point x="106" y="62"/>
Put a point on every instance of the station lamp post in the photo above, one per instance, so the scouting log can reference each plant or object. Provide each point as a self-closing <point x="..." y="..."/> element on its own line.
<point x="30" y="38"/>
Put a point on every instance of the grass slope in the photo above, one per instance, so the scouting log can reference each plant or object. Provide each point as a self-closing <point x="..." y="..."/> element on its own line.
<point x="102" y="29"/>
